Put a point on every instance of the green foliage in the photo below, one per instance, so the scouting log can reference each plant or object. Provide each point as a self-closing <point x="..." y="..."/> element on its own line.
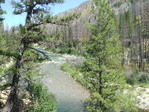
<point x="9" y="54"/>
<point x="7" y="45"/>
<point x="67" y="48"/>
<point x="126" y="24"/>
<point x="70" y="46"/>
<point x="35" y="14"/>
<point x="41" y="99"/>
<point x="69" y="18"/>
<point x="143" y="78"/>
<point x="135" y="72"/>
<point x="126" y="102"/>
<point x="75" y="73"/>
<point x="117" y="4"/>
<point x="137" y="77"/>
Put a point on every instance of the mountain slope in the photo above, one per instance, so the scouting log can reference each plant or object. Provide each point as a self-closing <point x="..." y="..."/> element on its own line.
<point x="78" y="28"/>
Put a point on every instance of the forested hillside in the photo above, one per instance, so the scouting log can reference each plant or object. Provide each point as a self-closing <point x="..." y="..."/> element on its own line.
<point x="132" y="22"/>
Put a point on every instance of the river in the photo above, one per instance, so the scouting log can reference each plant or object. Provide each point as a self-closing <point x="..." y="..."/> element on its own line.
<point x="68" y="92"/>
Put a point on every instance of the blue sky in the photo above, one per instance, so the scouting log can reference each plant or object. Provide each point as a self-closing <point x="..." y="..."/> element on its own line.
<point x="14" y="20"/>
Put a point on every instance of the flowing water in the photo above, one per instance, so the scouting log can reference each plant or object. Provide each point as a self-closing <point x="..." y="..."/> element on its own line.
<point x="68" y="92"/>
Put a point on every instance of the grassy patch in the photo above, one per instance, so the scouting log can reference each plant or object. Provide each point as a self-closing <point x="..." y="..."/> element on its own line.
<point x="75" y="73"/>
<point x="145" y="85"/>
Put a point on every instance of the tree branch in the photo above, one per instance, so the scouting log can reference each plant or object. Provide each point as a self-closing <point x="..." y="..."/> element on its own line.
<point x="10" y="54"/>
<point x="46" y="56"/>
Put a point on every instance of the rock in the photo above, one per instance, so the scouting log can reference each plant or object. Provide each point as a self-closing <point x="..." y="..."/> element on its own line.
<point x="26" y="101"/>
<point x="3" y="101"/>
<point x="143" y="97"/>
<point x="3" y="96"/>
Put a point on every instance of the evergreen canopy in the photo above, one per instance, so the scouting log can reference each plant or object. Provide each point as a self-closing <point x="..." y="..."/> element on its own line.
<point x="37" y="10"/>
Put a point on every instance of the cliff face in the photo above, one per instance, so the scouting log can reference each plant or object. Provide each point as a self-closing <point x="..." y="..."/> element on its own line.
<point x="78" y="28"/>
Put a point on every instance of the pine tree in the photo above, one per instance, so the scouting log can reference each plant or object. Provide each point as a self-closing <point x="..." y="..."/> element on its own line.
<point x="102" y="65"/>
<point x="37" y="14"/>
<point x="1" y="11"/>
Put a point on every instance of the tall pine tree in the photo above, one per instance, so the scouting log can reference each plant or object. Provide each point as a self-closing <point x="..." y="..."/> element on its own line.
<point x="102" y="64"/>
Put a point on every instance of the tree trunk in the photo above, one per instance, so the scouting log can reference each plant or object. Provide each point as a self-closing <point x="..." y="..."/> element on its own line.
<point x="140" y="54"/>
<point x="100" y="86"/>
<point x="13" y="102"/>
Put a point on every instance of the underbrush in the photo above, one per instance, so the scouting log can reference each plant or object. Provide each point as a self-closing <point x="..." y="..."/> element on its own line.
<point x="41" y="99"/>
<point x="134" y="77"/>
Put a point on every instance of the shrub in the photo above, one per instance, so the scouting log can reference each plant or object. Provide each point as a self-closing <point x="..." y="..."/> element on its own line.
<point x="137" y="77"/>
<point x="41" y="100"/>
<point x="132" y="78"/>
<point x="143" y="78"/>
<point x="117" y="4"/>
